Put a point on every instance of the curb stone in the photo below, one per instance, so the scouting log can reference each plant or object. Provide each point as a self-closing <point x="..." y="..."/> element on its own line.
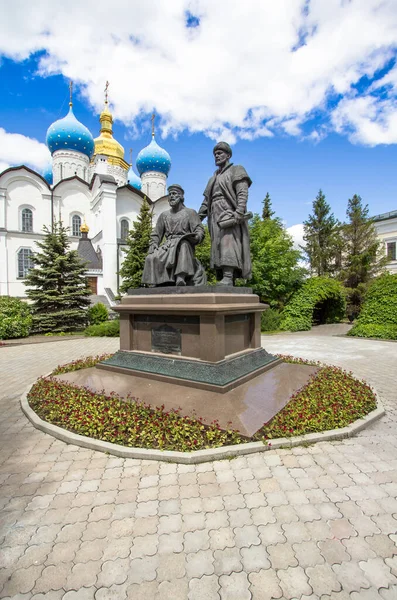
<point x="198" y="456"/>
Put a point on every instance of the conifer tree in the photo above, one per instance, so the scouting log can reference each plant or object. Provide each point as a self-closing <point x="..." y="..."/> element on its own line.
<point x="321" y="234"/>
<point x="267" y="211"/>
<point x="361" y="258"/>
<point x="57" y="284"/>
<point x="138" y="242"/>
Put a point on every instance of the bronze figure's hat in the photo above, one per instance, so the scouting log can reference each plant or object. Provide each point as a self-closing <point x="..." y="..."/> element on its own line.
<point x="223" y="146"/>
<point x="176" y="186"/>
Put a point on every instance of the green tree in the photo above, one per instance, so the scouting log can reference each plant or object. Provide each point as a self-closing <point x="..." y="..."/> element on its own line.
<point x="203" y="254"/>
<point x="276" y="273"/>
<point x="138" y="242"/>
<point x="267" y="212"/>
<point x="321" y="234"/>
<point x="57" y="284"/>
<point x="361" y="256"/>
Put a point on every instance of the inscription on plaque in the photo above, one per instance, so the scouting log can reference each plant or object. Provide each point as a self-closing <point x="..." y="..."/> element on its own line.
<point x="167" y="339"/>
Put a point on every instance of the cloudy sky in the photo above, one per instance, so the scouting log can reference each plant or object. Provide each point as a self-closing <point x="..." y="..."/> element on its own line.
<point x="305" y="90"/>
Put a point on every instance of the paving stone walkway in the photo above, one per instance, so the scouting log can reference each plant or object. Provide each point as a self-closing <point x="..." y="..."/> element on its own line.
<point x="310" y="523"/>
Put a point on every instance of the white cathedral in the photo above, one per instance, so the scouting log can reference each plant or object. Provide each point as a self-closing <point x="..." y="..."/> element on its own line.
<point x="90" y="187"/>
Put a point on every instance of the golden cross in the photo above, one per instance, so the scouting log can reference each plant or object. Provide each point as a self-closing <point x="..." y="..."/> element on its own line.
<point x="106" y="91"/>
<point x="152" y="119"/>
<point x="71" y="93"/>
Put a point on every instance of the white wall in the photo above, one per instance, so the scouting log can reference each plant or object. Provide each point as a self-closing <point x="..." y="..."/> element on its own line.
<point x="387" y="232"/>
<point x="154" y="184"/>
<point x="20" y="189"/>
<point x="128" y="205"/>
<point x="73" y="198"/>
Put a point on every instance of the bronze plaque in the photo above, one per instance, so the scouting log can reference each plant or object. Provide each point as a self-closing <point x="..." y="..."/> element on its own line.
<point x="167" y="339"/>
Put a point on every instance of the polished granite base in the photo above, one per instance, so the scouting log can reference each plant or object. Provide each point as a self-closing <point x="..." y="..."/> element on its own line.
<point x="245" y="408"/>
<point x="219" y="377"/>
<point x="189" y="289"/>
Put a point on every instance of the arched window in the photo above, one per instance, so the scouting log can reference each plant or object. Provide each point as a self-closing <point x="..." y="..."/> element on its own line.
<point x="25" y="262"/>
<point x="76" y="224"/>
<point x="27" y="220"/>
<point x="124" y="229"/>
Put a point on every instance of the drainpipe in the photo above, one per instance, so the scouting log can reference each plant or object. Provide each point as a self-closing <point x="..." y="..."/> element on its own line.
<point x="52" y="210"/>
<point x="118" y="268"/>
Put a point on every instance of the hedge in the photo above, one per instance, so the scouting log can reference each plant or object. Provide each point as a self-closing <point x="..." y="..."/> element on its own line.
<point x="107" y="329"/>
<point x="15" y="318"/>
<point x="98" y="313"/>
<point x="378" y="316"/>
<point x="317" y="293"/>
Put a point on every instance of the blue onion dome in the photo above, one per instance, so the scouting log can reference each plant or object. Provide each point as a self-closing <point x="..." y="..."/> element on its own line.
<point x="133" y="179"/>
<point x="69" y="134"/>
<point x="47" y="174"/>
<point x="153" y="158"/>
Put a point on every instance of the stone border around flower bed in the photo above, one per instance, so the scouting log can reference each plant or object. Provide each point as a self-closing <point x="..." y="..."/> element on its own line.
<point x="198" y="456"/>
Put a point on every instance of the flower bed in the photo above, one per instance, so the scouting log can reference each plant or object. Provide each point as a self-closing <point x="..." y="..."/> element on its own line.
<point x="332" y="399"/>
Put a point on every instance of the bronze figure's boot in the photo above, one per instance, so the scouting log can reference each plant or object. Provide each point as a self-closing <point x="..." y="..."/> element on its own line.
<point x="227" y="278"/>
<point x="180" y="280"/>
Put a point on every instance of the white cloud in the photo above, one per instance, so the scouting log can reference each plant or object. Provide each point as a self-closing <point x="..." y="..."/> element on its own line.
<point x="17" y="149"/>
<point x="368" y="120"/>
<point x="296" y="232"/>
<point x="243" y="73"/>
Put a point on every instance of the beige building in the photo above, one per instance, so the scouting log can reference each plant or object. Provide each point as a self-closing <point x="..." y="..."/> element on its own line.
<point x="386" y="226"/>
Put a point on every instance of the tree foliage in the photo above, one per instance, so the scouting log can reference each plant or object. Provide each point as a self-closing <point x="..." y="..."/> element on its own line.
<point x="321" y="300"/>
<point x="361" y="259"/>
<point x="57" y="284"/>
<point x="138" y="242"/>
<point x="267" y="212"/>
<point x="321" y="234"/>
<point x="378" y="317"/>
<point x="276" y="273"/>
<point x="203" y="254"/>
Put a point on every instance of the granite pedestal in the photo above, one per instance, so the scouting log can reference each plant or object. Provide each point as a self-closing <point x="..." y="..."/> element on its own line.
<point x="209" y="338"/>
<point x="197" y="349"/>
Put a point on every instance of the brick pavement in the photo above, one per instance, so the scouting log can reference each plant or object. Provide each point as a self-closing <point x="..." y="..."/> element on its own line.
<point x="310" y="523"/>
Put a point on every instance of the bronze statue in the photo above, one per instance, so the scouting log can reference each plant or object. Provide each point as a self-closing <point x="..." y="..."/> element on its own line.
<point x="225" y="205"/>
<point x="173" y="262"/>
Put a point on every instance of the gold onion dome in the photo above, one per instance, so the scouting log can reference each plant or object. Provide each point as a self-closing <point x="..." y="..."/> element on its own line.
<point x="84" y="228"/>
<point x="105" y="143"/>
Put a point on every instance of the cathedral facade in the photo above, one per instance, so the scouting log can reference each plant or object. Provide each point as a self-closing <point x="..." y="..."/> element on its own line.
<point x="91" y="188"/>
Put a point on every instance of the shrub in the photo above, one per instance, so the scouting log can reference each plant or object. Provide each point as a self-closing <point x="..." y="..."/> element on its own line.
<point x="270" y="320"/>
<point x="320" y="300"/>
<point x="378" y="317"/>
<point x="98" y="313"/>
<point x="15" y="318"/>
<point x="385" y="332"/>
<point x="107" y="329"/>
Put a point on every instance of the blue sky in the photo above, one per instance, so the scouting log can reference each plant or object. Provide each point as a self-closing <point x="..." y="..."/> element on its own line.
<point x="305" y="90"/>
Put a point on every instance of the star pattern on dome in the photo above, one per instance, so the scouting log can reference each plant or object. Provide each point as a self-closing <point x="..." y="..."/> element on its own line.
<point x="153" y="158"/>
<point x="47" y="174"/>
<point x="68" y="133"/>
<point x="133" y="179"/>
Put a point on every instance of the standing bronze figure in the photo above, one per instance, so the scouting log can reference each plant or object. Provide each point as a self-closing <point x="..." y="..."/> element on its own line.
<point x="225" y="205"/>
<point x="171" y="259"/>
